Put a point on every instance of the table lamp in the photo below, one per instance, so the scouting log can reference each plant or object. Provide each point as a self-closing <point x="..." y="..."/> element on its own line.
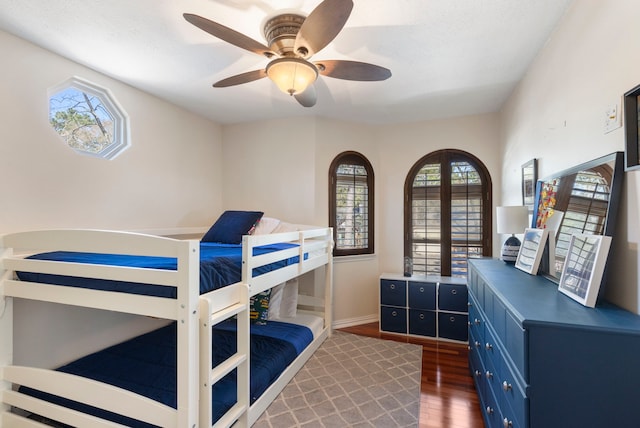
<point x="511" y="220"/>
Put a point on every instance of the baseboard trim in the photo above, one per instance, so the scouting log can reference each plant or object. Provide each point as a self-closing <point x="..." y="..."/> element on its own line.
<point x="350" y="322"/>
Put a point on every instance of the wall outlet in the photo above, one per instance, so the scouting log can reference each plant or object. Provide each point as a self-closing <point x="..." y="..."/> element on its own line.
<point x="613" y="118"/>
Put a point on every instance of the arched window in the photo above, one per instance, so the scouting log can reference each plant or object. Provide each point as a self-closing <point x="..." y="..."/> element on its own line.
<point x="447" y="214"/>
<point x="351" y="204"/>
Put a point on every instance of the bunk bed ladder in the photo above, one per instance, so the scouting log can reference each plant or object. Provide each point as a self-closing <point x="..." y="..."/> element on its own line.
<point x="212" y="314"/>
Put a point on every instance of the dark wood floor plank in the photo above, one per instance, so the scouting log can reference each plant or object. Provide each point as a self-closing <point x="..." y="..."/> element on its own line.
<point x="448" y="398"/>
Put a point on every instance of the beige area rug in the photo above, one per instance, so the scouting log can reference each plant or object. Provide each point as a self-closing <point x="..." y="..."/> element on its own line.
<point x="352" y="381"/>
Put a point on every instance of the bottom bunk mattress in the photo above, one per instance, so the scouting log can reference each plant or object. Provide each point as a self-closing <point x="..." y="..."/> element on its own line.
<point x="146" y="365"/>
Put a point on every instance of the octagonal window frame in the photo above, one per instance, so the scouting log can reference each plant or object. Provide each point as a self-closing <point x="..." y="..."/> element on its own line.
<point x="121" y="139"/>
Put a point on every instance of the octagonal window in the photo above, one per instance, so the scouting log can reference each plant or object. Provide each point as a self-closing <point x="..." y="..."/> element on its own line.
<point x="88" y="118"/>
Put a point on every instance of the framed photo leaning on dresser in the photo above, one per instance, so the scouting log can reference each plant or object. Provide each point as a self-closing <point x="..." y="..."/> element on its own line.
<point x="583" y="267"/>
<point x="531" y="250"/>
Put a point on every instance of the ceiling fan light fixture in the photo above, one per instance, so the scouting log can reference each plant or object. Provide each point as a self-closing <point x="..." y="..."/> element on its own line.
<point x="292" y="75"/>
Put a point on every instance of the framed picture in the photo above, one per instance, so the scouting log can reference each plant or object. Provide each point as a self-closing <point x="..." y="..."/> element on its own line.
<point x="529" y="179"/>
<point x="631" y="125"/>
<point x="583" y="267"/>
<point x="531" y="250"/>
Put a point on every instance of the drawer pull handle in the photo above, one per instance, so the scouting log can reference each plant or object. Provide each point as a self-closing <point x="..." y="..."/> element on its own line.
<point x="477" y="344"/>
<point x="506" y="423"/>
<point x="392" y="286"/>
<point x="488" y="375"/>
<point x="478" y="373"/>
<point x="421" y="316"/>
<point x="477" y="321"/>
<point x="452" y="319"/>
<point x="488" y="346"/>
<point x="469" y="304"/>
<point x="506" y="386"/>
<point x="422" y="289"/>
<point x="490" y="410"/>
<point x="454" y="291"/>
<point x="394" y="313"/>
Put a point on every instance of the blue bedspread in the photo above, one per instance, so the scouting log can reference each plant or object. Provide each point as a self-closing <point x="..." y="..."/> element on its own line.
<point x="146" y="365"/>
<point x="220" y="265"/>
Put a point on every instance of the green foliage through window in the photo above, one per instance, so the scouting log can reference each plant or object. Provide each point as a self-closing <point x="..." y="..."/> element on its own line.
<point x="88" y="119"/>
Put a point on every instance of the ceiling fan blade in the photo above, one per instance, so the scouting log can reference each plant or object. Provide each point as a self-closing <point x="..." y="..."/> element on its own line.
<point x="229" y="35"/>
<point x="321" y="26"/>
<point x="308" y="97"/>
<point x="352" y="70"/>
<point x="239" y="79"/>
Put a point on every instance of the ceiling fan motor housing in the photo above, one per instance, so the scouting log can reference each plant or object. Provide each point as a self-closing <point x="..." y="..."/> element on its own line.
<point x="281" y="31"/>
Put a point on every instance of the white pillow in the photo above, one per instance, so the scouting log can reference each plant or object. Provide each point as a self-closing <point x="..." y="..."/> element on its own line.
<point x="275" y="301"/>
<point x="284" y="300"/>
<point x="289" y="305"/>
<point x="266" y="225"/>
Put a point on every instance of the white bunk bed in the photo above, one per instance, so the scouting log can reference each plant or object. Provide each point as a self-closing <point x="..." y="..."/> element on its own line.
<point x="193" y="313"/>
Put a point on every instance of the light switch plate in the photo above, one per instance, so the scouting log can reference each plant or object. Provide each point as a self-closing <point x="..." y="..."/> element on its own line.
<point x="613" y="118"/>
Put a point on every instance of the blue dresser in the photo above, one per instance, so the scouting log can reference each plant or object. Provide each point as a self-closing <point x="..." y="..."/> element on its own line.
<point x="428" y="306"/>
<point x="542" y="360"/>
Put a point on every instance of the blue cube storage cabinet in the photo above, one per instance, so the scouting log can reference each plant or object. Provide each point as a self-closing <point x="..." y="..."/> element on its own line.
<point x="540" y="359"/>
<point x="425" y="306"/>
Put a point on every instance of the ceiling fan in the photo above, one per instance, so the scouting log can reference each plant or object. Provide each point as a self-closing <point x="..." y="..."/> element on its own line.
<point x="292" y="40"/>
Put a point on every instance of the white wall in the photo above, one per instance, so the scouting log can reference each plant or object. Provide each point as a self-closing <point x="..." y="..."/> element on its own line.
<point x="392" y="151"/>
<point x="557" y="115"/>
<point x="169" y="177"/>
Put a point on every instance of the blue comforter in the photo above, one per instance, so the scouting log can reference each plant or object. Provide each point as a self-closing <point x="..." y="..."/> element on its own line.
<point x="146" y="365"/>
<point x="220" y="265"/>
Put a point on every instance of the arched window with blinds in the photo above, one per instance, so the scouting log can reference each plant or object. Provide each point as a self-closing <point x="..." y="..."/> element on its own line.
<point x="351" y="193"/>
<point x="447" y="216"/>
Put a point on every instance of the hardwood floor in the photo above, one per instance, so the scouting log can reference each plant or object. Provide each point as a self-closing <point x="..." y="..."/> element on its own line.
<point x="448" y="396"/>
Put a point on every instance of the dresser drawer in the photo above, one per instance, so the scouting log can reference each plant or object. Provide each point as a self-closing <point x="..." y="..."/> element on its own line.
<point x="453" y="326"/>
<point x="452" y="297"/>
<point x="393" y="319"/>
<point x="476" y="319"/>
<point x="512" y="394"/>
<point x="422" y="322"/>
<point x="393" y="293"/>
<point x="422" y="295"/>
<point x="515" y="342"/>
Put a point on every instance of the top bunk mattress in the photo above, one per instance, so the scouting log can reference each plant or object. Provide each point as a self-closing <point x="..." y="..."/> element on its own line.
<point x="220" y="265"/>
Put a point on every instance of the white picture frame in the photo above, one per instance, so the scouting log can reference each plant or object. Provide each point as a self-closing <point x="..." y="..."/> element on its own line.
<point x="583" y="268"/>
<point x="531" y="250"/>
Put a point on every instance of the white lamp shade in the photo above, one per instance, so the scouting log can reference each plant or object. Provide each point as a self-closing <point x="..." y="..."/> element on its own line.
<point x="292" y="75"/>
<point x="512" y="219"/>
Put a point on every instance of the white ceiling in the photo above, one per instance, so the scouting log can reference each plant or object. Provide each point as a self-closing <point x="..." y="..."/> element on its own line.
<point x="448" y="57"/>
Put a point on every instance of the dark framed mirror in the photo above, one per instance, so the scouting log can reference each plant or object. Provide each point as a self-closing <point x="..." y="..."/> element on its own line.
<point x="582" y="199"/>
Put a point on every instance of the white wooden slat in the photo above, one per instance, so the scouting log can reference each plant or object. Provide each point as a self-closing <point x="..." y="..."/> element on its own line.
<point x="223" y="297"/>
<point x="267" y="280"/>
<point x="272" y="238"/>
<point x="107" y="300"/>
<point x="89" y="270"/>
<point x="11" y="420"/>
<point x="187" y="326"/>
<point x="96" y="241"/>
<point x="206" y="352"/>
<point x="226" y="366"/>
<point x="230" y="418"/>
<point x="55" y="412"/>
<point x="93" y="393"/>
<point x="273" y="257"/>
<point x="226" y="313"/>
